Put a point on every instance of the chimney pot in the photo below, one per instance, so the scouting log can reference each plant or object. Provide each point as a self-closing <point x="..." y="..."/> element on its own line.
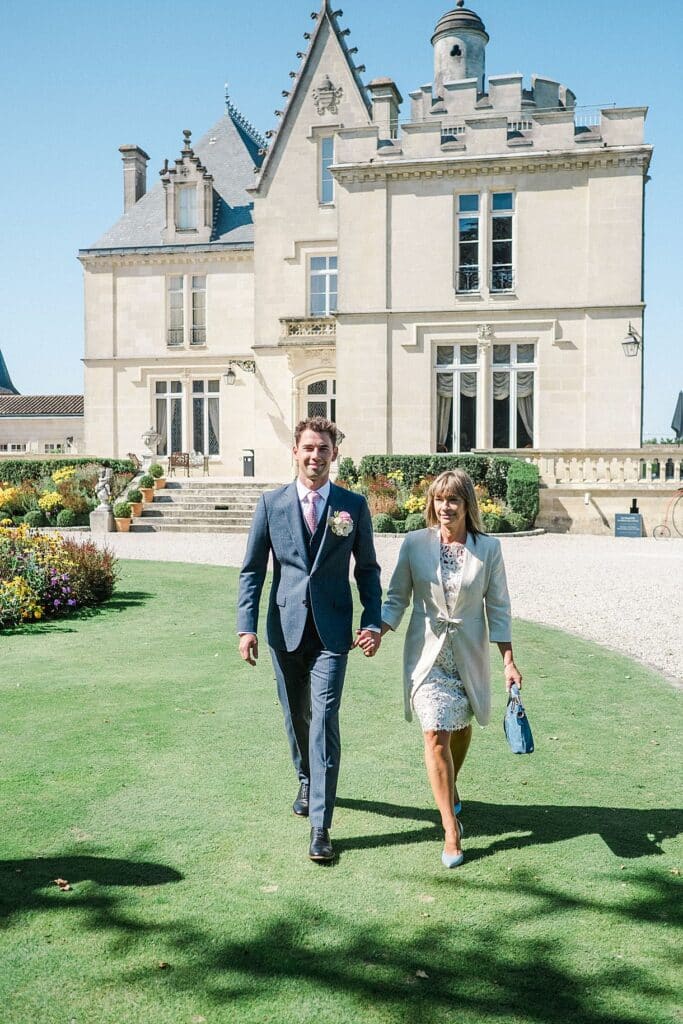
<point x="134" y="174"/>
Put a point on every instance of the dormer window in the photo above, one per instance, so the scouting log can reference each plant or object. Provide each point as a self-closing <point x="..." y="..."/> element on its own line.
<point x="186" y="207"/>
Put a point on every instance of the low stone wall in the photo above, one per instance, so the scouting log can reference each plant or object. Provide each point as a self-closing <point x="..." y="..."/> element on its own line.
<point x="591" y="509"/>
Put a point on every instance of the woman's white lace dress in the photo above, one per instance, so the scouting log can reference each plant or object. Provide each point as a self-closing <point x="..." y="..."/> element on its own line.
<point x="441" y="701"/>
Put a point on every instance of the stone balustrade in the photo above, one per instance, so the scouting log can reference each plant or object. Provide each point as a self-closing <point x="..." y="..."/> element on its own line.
<point x="660" y="465"/>
<point x="309" y="327"/>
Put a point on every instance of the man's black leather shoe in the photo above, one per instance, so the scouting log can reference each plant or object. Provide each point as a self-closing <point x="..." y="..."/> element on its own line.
<point x="300" y="805"/>
<point x="321" y="847"/>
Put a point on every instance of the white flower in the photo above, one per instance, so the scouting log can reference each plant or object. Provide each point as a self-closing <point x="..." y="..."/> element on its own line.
<point x="341" y="523"/>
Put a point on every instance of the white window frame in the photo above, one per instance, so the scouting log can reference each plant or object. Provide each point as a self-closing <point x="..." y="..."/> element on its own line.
<point x="186" y="207"/>
<point x="175" y="336"/>
<point x="328" y="398"/>
<point x="462" y="215"/>
<point x="326" y="183"/>
<point x="513" y="367"/>
<point x="169" y="397"/>
<point x="328" y="273"/>
<point x="190" y="333"/>
<point x="507" y="215"/>
<point x="197" y="288"/>
<point x="456" y="367"/>
<point x="204" y="395"/>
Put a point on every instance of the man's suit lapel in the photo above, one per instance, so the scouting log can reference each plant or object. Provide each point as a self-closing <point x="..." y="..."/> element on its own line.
<point x="336" y="501"/>
<point x="295" y="522"/>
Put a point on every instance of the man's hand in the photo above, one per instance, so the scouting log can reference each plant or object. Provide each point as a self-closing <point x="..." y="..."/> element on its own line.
<point x="249" y="648"/>
<point x="368" y="641"/>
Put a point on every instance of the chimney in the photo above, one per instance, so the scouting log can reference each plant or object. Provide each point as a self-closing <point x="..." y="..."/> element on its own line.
<point x="134" y="174"/>
<point x="386" y="102"/>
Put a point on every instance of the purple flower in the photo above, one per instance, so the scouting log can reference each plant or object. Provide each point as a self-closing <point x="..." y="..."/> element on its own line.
<point x="71" y="601"/>
<point x="57" y="603"/>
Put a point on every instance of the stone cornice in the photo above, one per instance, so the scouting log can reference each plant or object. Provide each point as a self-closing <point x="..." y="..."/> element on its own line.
<point x="500" y="163"/>
<point x="108" y="259"/>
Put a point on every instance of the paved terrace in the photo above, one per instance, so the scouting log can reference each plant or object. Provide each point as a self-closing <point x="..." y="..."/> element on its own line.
<point x="622" y="593"/>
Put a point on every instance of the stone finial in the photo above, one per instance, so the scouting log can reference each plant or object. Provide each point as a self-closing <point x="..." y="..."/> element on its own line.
<point x="460" y="3"/>
<point x="187" y="135"/>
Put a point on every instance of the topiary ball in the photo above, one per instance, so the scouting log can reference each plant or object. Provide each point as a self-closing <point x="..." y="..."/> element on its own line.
<point x="34" y="518"/>
<point x="67" y="517"/>
<point x="415" y="521"/>
<point x="382" y="523"/>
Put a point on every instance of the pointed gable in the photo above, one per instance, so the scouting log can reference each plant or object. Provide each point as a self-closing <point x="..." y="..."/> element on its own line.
<point x="326" y="91"/>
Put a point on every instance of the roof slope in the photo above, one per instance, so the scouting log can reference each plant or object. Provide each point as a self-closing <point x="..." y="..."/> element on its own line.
<point x="41" y="405"/>
<point x="6" y="385"/>
<point x="229" y="153"/>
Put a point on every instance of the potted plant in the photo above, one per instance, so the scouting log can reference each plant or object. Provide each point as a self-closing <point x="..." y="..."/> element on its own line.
<point x="135" y="498"/>
<point x="157" y="471"/>
<point x="122" y="516"/>
<point x="147" y="487"/>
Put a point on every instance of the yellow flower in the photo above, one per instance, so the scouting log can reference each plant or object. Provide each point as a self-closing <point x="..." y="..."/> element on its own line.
<point x="49" y="501"/>
<point x="396" y="476"/>
<point x="61" y="475"/>
<point x="415" y="503"/>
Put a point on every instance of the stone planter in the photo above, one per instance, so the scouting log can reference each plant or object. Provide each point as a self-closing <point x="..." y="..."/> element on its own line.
<point x="147" y="494"/>
<point x="122" y="525"/>
<point x="136" y="508"/>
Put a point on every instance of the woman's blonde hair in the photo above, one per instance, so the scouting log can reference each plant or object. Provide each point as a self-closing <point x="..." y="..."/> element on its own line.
<point x="455" y="483"/>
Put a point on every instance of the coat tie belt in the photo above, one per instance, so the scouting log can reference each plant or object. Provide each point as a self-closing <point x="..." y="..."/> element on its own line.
<point x="446" y="624"/>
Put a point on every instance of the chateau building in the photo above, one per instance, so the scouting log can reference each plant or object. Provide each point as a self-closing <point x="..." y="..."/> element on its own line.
<point x="38" y="424"/>
<point x="455" y="273"/>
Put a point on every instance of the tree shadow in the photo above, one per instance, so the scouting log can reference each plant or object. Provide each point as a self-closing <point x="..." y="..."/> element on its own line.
<point x="24" y="883"/>
<point x="118" y="602"/>
<point x="122" y="599"/>
<point x="628" y="832"/>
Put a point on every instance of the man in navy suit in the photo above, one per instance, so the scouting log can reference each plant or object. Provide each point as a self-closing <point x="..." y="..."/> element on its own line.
<point x="311" y="527"/>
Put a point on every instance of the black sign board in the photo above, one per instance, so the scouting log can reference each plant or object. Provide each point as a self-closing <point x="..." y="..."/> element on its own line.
<point x="628" y="524"/>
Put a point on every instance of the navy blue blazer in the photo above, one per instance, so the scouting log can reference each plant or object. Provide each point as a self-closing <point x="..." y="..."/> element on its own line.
<point x="302" y="577"/>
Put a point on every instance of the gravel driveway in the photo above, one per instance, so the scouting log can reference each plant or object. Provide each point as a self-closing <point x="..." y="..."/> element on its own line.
<point x="622" y="593"/>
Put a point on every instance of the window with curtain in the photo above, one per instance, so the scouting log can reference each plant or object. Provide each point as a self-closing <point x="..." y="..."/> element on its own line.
<point x="198" y="310"/>
<point x="513" y="395"/>
<point x="186" y="207"/>
<point x="169" y="416"/>
<point x="206" y="416"/>
<point x="175" y="329"/>
<point x="326" y="158"/>
<point x="468" y="243"/>
<point x="456" y="397"/>
<point x="323" y="285"/>
<point x="502" y="270"/>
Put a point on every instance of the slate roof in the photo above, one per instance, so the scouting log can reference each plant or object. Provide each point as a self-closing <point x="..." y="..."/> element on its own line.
<point x="229" y="152"/>
<point x="41" y="405"/>
<point x="6" y="385"/>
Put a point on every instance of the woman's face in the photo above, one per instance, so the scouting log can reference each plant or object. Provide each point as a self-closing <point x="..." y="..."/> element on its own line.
<point x="450" y="511"/>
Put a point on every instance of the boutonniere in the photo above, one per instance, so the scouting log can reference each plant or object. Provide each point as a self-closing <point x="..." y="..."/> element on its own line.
<point x="341" y="523"/>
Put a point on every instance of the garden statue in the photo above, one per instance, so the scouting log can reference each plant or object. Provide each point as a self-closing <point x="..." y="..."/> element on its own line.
<point x="103" y="488"/>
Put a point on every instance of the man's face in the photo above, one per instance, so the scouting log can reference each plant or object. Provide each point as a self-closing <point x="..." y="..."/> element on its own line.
<point x="314" y="455"/>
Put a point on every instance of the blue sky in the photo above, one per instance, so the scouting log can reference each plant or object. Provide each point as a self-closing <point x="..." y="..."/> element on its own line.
<point x="78" y="79"/>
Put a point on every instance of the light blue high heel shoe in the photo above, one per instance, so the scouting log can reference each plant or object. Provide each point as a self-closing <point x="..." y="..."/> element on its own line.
<point x="449" y="860"/>
<point x="457" y="808"/>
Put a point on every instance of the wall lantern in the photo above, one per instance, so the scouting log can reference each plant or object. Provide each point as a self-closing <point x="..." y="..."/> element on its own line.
<point x="247" y="365"/>
<point x="230" y="377"/>
<point x="631" y="343"/>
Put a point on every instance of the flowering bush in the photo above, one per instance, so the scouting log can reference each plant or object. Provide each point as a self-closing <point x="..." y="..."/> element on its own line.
<point x="47" y="577"/>
<point x="415" y="503"/>
<point x="50" y="502"/>
<point x="60" y="476"/>
<point x="489" y="507"/>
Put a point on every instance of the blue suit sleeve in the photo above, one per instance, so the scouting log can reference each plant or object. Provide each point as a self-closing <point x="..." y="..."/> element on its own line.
<point x="366" y="569"/>
<point x="253" y="571"/>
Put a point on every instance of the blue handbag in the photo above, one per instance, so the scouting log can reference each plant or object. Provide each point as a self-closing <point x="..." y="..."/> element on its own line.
<point x="516" y="725"/>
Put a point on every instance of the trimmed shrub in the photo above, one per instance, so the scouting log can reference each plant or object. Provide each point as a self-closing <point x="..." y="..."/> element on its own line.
<point x="383" y="523"/>
<point x="348" y="473"/>
<point x="515" y="521"/>
<point x="122" y="510"/>
<point x="156" y="471"/>
<point x="146" y="481"/>
<point x="415" y="521"/>
<point x="491" y="522"/>
<point x="92" y="573"/>
<point x="399" y="525"/>
<point x="67" y="517"/>
<point x="135" y="495"/>
<point x="522" y="490"/>
<point x="34" y="518"/>
<point x="496" y="476"/>
<point x="415" y="467"/>
<point x="14" y="471"/>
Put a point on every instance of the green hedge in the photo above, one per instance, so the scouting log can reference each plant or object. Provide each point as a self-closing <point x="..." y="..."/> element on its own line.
<point x="15" y="471"/>
<point x="489" y="470"/>
<point x="382" y="523"/>
<point x="522" y="490"/>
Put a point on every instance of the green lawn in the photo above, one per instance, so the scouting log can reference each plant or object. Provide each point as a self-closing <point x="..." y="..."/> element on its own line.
<point x="144" y="764"/>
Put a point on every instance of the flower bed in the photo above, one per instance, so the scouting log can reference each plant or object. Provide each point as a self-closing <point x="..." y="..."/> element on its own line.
<point x="45" y="576"/>
<point x="53" y="494"/>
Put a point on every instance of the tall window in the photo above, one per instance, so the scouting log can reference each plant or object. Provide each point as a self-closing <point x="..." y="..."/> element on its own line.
<point x="206" y="416"/>
<point x="502" y="271"/>
<point x="323" y="285"/>
<point x="513" y="396"/>
<point x="175" y="303"/>
<point x="186" y="207"/>
<point x="326" y="156"/>
<point x="322" y="399"/>
<point x="198" y="310"/>
<point x="169" y="416"/>
<point x="468" y="243"/>
<point x="456" y="398"/>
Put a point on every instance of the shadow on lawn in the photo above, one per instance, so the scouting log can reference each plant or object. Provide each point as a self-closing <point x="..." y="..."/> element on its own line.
<point x="626" y="831"/>
<point x="120" y="601"/>
<point x="24" y="883"/>
<point x="327" y="964"/>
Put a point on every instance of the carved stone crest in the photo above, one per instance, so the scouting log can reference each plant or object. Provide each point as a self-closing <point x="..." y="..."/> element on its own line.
<point x="485" y="334"/>
<point x="326" y="97"/>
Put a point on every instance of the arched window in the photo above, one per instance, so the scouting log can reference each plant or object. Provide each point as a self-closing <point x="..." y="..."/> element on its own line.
<point x="321" y="398"/>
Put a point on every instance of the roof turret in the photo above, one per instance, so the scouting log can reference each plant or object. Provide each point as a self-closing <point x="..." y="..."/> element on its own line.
<point x="459" y="19"/>
<point x="6" y="385"/>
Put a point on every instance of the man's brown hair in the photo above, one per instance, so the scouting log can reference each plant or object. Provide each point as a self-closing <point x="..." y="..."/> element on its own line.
<point x="320" y="426"/>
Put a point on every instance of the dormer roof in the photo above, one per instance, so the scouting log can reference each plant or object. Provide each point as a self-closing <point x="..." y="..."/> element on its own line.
<point x="229" y="152"/>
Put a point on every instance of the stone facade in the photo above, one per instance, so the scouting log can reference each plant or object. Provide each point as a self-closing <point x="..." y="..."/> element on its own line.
<point x="463" y="281"/>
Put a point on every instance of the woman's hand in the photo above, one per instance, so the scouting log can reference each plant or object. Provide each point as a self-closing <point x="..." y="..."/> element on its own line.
<point x="513" y="677"/>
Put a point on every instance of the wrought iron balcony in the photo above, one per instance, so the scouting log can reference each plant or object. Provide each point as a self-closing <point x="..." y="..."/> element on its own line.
<point x="468" y="279"/>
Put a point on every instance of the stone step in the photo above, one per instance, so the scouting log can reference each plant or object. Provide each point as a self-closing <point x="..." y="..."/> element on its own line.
<point x="216" y="517"/>
<point x="136" y="527"/>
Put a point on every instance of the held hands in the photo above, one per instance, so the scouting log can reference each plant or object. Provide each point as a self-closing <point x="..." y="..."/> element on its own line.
<point x="249" y="648"/>
<point x="368" y="641"/>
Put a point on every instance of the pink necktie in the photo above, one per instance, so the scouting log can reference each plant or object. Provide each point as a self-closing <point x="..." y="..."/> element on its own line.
<point x="312" y="512"/>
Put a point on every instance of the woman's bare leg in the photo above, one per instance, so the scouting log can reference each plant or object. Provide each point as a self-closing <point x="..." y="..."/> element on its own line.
<point x="439" y="763"/>
<point x="460" y="744"/>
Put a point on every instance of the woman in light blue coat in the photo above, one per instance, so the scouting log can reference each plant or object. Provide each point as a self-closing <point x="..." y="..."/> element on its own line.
<point x="454" y="574"/>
